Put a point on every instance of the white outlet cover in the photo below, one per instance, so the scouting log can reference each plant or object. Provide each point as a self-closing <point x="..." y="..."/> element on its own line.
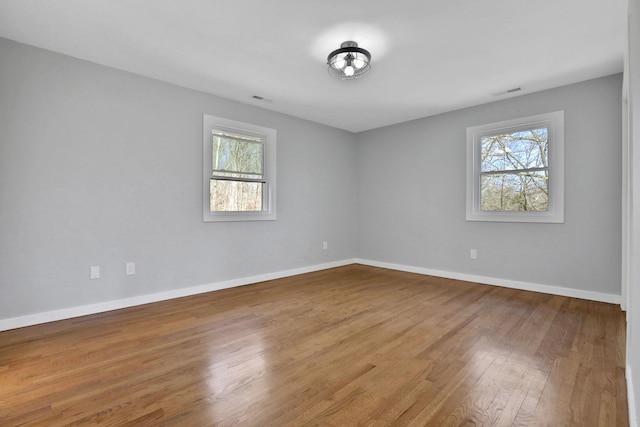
<point x="130" y="268"/>
<point x="94" y="272"/>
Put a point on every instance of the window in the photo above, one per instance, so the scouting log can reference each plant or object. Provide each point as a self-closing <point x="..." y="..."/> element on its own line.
<point x="515" y="170"/>
<point x="238" y="171"/>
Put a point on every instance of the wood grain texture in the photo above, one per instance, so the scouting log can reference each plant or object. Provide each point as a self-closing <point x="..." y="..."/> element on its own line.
<point x="349" y="346"/>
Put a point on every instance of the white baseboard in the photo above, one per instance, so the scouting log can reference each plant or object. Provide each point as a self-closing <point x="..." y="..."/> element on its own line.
<point x="633" y="421"/>
<point x="68" y="313"/>
<point x="526" y="286"/>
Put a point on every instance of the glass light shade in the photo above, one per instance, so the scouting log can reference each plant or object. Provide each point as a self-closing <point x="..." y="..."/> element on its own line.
<point x="349" y="62"/>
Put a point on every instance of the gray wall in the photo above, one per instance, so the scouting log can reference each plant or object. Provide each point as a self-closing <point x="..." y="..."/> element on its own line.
<point x="101" y="167"/>
<point x="411" y="195"/>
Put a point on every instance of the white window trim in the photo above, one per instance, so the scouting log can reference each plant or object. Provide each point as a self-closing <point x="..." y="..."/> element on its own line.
<point x="269" y="190"/>
<point x="555" y="122"/>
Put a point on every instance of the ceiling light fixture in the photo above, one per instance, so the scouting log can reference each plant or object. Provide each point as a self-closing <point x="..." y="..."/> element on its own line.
<point x="349" y="62"/>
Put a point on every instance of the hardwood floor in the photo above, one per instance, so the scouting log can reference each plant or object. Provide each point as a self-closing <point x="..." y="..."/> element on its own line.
<point x="349" y="346"/>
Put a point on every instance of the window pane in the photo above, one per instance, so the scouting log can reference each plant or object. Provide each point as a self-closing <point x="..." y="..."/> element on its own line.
<point x="237" y="157"/>
<point x="235" y="196"/>
<point x="512" y="151"/>
<point x="514" y="192"/>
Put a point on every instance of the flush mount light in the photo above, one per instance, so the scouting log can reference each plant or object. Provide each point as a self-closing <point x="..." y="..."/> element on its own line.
<point x="349" y="62"/>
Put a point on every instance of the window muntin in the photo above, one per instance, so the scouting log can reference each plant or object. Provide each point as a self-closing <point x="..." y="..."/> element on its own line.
<point x="515" y="170"/>
<point x="238" y="171"/>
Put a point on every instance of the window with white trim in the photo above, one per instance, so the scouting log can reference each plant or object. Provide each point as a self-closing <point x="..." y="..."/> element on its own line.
<point x="239" y="171"/>
<point x="515" y="170"/>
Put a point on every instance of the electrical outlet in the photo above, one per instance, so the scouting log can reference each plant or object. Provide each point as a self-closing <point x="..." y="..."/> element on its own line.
<point x="130" y="268"/>
<point x="94" y="272"/>
<point x="325" y="245"/>
<point x="473" y="254"/>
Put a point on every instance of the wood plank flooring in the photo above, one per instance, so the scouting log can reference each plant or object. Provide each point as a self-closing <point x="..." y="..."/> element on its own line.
<point x="349" y="346"/>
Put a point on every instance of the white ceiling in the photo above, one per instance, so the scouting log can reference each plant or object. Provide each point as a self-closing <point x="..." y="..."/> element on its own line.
<point x="429" y="56"/>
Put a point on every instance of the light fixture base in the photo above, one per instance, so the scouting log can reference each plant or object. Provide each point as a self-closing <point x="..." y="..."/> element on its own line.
<point x="348" y="44"/>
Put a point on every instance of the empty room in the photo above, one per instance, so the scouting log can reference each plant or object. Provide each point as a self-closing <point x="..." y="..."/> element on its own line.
<point x="299" y="213"/>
